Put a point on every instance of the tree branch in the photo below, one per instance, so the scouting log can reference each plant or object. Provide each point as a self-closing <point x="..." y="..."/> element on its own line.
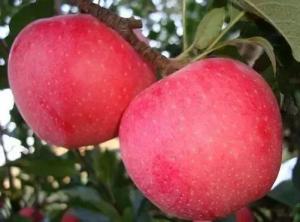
<point x="124" y="27"/>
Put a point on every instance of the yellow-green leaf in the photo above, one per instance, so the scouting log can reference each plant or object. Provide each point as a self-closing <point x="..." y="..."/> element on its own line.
<point x="209" y="28"/>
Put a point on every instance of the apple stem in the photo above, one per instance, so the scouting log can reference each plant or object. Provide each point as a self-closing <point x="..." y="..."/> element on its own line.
<point x="125" y="26"/>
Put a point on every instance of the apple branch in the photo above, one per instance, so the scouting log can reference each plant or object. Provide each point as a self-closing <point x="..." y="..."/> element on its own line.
<point x="125" y="26"/>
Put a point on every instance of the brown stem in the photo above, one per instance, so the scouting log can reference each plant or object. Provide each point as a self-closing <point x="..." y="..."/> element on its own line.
<point x="4" y="45"/>
<point x="124" y="27"/>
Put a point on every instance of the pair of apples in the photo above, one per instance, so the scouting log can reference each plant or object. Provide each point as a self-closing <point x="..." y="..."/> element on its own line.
<point x="200" y="143"/>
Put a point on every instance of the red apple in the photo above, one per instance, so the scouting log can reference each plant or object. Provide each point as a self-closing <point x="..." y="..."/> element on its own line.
<point x="72" y="77"/>
<point x="244" y="215"/>
<point x="31" y="213"/>
<point x="69" y="218"/>
<point x="204" y="141"/>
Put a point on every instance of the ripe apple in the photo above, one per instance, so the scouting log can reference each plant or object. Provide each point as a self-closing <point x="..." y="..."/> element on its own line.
<point x="69" y="218"/>
<point x="31" y="213"/>
<point x="72" y="77"/>
<point x="244" y="215"/>
<point x="205" y="141"/>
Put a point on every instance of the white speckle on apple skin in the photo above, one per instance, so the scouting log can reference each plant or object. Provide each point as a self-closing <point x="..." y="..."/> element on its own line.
<point x="217" y="152"/>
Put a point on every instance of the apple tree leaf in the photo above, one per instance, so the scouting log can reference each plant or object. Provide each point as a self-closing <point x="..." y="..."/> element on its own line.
<point x="296" y="175"/>
<point x="110" y="211"/>
<point x="209" y="28"/>
<point x="88" y="215"/>
<point x="262" y="42"/>
<point x="29" y="13"/>
<point x="283" y="15"/>
<point x="52" y="167"/>
<point x="84" y="194"/>
<point x="286" y="193"/>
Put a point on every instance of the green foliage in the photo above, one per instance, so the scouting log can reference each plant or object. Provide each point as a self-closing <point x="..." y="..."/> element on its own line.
<point x="284" y="15"/>
<point x="29" y="13"/>
<point x="296" y="175"/>
<point x="262" y="42"/>
<point x="209" y="28"/>
<point x="286" y="193"/>
<point x="93" y="184"/>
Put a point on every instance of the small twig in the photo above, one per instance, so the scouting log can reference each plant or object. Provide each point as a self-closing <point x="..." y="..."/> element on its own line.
<point x="185" y="42"/>
<point x="4" y="45"/>
<point x="125" y="26"/>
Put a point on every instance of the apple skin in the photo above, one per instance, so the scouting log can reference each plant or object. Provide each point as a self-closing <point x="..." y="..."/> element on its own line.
<point x="31" y="213"/>
<point x="72" y="78"/>
<point x="205" y="141"/>
<point x="244" y="215"/>
<point x="69" y="218"/>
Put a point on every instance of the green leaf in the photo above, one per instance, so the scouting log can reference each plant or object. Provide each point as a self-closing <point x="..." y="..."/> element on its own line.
<point x="296" y="213"/>
<point x="233" y="11"/>
<point x="128" y="215"/>
<point x="262" y="42"/>
<point x="3" y="172"/>
<point x="296" y="175"/>
<point x="192" y="22"/>
<point x="286" y="193"/>
<point x="17" y="218"/>
<point x="230" y="218"/>
<point x="121" y="196"/>
<point x="53" y="167"/>
<point x="137" y="200"/>
<point x="105" y="164"/>
<point x="84" y="194"/>
<point x="88" y="215"/>
<point x="29" y="13"/>
<point x="108" y="210"/>
<point x="283" y="15"/>
<point x="209" y="28"/>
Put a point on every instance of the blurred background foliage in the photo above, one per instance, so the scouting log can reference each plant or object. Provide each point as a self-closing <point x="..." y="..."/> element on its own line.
<point x="91" y="183"/>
